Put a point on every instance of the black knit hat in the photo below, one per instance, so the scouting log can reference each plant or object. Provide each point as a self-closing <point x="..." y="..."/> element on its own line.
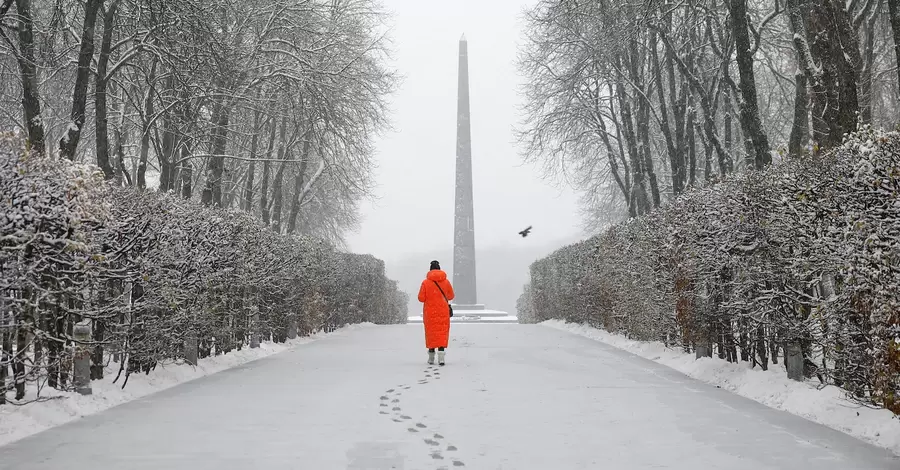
<point x="435" y="265"/>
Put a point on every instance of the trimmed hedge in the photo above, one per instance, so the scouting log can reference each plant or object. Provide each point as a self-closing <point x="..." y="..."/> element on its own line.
<point x="154" y="276"/>
<point x="803" y="256"/>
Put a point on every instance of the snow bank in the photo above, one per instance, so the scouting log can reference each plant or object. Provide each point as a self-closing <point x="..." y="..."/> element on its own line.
<point x="17" y="422"/>
<point x="827" y="406"/>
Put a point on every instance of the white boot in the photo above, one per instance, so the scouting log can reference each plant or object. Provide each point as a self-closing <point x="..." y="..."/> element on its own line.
<point x="441" y="358"/>
<point x="430" y="357"/>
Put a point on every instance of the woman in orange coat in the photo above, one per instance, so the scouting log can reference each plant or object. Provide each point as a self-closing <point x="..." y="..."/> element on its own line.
<point x="436" y="293"/>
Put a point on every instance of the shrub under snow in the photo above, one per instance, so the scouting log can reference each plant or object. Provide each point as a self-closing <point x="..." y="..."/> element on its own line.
<point x="803" y="256"/>
<point x="154" y="276"/>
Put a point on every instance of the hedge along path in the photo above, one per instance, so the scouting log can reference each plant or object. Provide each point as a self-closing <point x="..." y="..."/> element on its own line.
<point x="796" y="263"/>
<point x="91" y="273"/>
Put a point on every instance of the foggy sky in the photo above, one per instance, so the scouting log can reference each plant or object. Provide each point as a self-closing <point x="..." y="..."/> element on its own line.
<point x="413" y="212"/>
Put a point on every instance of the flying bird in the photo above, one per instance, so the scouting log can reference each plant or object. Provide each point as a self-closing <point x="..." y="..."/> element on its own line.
<point x="524" y="233"/>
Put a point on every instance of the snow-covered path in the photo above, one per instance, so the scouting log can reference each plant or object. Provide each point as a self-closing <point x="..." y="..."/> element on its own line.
<point x="511" y="397"/>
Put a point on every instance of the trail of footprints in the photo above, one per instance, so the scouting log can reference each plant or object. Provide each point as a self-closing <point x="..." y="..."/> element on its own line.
<point x="391" y="400"/>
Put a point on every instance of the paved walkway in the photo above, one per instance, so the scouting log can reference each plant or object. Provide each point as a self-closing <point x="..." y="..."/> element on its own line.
<point x="511" y="397"/>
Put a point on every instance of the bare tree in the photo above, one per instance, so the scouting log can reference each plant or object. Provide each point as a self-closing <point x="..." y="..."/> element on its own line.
<point x="750" y="120"/>
<point x="894" y="9"/>
<point x="69" y="142"/>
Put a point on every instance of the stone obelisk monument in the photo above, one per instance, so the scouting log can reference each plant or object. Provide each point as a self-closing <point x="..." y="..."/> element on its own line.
<point x="464" y="222"/>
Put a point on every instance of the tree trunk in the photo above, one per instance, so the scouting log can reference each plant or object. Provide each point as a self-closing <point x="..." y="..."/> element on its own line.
<point x="627" y="170"/>
<point x="168" y="155"/>
<point x="31" y="103"/>
<point x="221" y="118"/>
<point x="836" y="48"/>
<point x="620" y="176"/>
<point x="761" y="347"/>
<point x="264" y="193"/>
<point x="866" y="66"/>
<point x="264" y="199"/>
<point x="637" y="201"/>
<point x="751" y="124"/>
<point x="187" y="172"/>
<point x="119" y="152"/>
<point x="98" y="331"/>
<point x="894" y="9"/>
<point x="20" y="358"/>
<point x="182" y="168"/>
<point x="148" y="123"/>
<point x="100" y="86"/>
<point x="6" y="351"/>
<point x="709" y="124"/>
<point x="690" y="141"/>
<point x="800" y="130"/>
<point x="642" y="122"/>
<point x="69" y="142"/>
<point x="251" y="171"/>
<point x="278" y="193"/>
<point x="676" y="158"/>
<point x="298" y="189"/>
<point x="829" y="54"/>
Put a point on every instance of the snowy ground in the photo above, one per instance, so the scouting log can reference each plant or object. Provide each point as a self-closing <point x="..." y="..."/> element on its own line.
<point x="17" y="422"/>
<point x="513" y="397"/>
<point x="826" y="406"/>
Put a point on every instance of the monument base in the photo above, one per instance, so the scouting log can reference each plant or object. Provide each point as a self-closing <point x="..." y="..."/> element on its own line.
<point x="479" y="314"/>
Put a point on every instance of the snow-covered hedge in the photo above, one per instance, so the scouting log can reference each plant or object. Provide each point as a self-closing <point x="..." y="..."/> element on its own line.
<point x="804" y="256"/>
<point x="155" y="276"/>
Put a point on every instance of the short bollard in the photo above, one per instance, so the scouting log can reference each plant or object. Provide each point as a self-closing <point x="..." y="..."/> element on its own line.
<point x="82" y="334"/>
<point x="190" y="351"/>
<point x="292" y="327"/>
<point x="703" y="350"/>
<point x="793" y="361"/>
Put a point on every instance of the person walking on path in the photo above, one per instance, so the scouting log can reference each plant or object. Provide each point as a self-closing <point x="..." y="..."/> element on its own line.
<point x="436" y="294"/>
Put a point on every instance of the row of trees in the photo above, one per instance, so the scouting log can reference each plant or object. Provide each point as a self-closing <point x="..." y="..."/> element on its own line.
<point x="634" y="101"/>
<point x="798" y="260"/>
<point x="267" y="106"/>
<point x="156" y="278"/>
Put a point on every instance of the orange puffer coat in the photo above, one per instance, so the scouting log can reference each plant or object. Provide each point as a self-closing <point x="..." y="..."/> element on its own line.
<point x="436" y="312"/>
